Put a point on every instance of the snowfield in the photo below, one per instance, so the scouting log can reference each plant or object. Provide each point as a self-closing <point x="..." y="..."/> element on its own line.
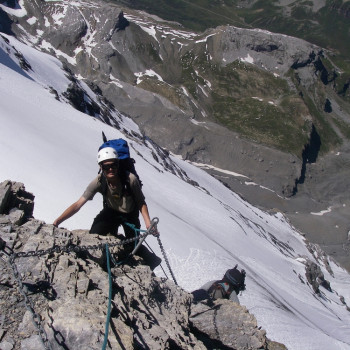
<point x="205" y="229"/>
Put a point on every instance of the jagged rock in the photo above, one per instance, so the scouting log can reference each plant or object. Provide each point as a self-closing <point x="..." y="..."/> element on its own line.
<point x="16" y="216"/>
<point x="72" y="30"/>
<point x="272" y="345"/>
<point x="14" y="195"/>
<point x="315" y="277"/>
<point x="64" y="277"/>
<point x="319" y="255"/>
<point x="228" y="323"/>
<point x="4" y="195"/>
<point x="122" y="22"/>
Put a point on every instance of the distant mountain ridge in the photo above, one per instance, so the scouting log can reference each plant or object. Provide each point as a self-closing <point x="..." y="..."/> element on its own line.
<point x="322" y="22"/>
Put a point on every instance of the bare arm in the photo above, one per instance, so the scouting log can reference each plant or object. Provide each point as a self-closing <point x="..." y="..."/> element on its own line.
<point x="70" y="211"/>
<point x="145" y="215"/>
<point x="147" y="220"/>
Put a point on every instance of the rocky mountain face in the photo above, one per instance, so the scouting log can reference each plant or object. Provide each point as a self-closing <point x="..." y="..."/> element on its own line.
<point x="190" y="92"/>
<point x="55" y="288"/>
<point x="267" y="106"/>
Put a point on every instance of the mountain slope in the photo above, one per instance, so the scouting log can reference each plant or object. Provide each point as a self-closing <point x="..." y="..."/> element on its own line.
<point x="226" y="81"/>
<point x="205" y="227"/>
<point x="324" y="23"/>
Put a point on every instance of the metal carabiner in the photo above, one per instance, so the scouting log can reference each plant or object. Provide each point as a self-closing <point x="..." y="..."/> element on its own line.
<point x="152" y="227"/>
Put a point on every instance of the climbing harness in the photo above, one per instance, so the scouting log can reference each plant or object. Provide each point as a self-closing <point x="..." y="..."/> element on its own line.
<point x="138" y="239"/>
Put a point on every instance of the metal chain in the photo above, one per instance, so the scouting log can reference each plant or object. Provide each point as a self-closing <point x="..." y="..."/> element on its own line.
<point x="73" y="248"/>
<point x="166" y="258"/>
<point x="35" y="317"/>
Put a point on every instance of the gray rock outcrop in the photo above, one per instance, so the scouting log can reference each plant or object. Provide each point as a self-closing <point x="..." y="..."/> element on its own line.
<point x="315" y="277"/>
<point x="60" y="278"/>
<point x="223" y="321"/>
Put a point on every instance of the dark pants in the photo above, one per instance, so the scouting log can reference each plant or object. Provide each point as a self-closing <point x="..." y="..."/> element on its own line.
<point x="109" y="220"/>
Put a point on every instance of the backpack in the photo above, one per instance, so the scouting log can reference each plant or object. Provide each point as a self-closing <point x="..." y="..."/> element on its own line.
<point x="233" y="280"/>
<point x="236" y="279"/>
<point x="126" y="163"/>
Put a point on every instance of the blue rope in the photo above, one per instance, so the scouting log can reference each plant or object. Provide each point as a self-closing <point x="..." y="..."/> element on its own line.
<point x="108" y="256"/>
<point x="136" y="230"/>
<point x="109" y="299"/>
<point x="134" y="227"/>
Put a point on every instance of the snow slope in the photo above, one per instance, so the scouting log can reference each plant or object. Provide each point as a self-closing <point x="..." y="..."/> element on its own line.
<point x="205" y="229"/>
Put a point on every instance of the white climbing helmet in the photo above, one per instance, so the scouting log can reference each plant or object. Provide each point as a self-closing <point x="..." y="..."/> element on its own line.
<point x="106" y="153"/>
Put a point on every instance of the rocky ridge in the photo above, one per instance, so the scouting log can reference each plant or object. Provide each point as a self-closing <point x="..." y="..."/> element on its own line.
<point x="61" y="278"/>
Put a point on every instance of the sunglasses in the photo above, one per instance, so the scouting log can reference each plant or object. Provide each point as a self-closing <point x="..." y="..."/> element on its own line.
<point x="112" y="166"/>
